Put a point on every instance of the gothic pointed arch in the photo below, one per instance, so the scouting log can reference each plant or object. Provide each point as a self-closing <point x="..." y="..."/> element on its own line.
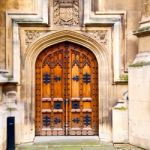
<point x="52" y="38"/>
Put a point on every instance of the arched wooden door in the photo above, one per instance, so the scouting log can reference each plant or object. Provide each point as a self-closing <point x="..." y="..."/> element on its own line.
<point x="66" y="91"/>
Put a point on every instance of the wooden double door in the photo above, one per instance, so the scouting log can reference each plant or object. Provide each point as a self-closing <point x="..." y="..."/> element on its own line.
<point x="66" y="91"/>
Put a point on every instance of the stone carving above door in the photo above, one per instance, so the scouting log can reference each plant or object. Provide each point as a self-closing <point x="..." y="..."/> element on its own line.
<point x="31" y="35"/>
<point x="66" y="12"/>
<point x="102" y="36"/>
<point x="146" y="11"/>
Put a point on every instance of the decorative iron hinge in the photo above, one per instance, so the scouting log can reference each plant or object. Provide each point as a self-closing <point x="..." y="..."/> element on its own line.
<point x="46" y="78"/>
<point x="86" y="78"/>
<point x="76" y="120"/>
<point x="75" y="105"/>
<point x="87" y="120"/>
<point x="57" y="78"/>
<point x="57" y="120"/>
<point x="76" y="78"/>
<point x="46" y="121"/>
<point x="57" y="105"/>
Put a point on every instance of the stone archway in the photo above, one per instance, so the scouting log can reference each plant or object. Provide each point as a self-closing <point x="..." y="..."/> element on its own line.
<point x="66" y="83"/>
<point x="104" y="67"/>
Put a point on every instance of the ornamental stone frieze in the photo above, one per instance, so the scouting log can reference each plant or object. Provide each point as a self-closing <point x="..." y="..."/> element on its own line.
<point x="102" y="36"/>
<point x="31" y="35"/>
<point x="146" y="11"/>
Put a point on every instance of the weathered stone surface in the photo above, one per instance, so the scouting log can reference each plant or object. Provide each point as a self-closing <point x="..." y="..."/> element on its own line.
<point x="139" y="101"/>
<point x="24" y="5"/>
<point x="120" y="122"/>
<point x="144" y="44"/>
<point x="76" y="144"/>
<point x="22" y="42"/>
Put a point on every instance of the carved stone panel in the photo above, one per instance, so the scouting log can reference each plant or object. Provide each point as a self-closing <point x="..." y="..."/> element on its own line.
<point x="146" y="11"/>
<point x="102" y="36"/>
<point x="66" y="12"/>
<point x="31" y="35"/>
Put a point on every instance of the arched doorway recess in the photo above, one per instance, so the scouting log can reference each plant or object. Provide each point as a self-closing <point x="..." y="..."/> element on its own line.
<point x="104" y="70"/>
<point x="66" y="91"/>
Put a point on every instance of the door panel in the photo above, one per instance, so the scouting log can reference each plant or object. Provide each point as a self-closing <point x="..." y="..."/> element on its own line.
<point x="66" y="91"/>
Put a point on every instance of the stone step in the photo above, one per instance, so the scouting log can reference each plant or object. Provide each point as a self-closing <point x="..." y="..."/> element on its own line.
<point x="66" y="148"/>
<point x="73" y="143"/>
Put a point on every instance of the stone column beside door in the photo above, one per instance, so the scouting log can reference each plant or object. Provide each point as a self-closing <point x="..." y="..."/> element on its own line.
<point x="139" y="101"/>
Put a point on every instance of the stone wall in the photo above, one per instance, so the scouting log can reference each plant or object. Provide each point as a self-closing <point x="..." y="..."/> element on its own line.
<point x="3" y="126"/>
<point x="19" y="115"/>
<point x="9" y="107"/>
<point x="139" y="101"/>
<point x="139" y="85"/>
<point x="110" y="25"/>
<point x="133" y="16"/>
<point x="120" y="118"/>
<point x="133" y="9"/>
<point x="6" y="6"/>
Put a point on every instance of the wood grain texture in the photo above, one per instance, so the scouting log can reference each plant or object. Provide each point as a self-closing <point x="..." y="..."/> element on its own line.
<point x="66" y="91"/>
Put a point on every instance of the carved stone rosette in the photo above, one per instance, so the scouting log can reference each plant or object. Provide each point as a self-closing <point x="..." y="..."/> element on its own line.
<point x="100" y="35"/>
<point x="66" y="12"/>
<point x="31" y="35"/>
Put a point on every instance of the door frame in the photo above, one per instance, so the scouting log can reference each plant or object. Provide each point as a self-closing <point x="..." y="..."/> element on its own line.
<point x="103" y="57"/>
<point x="67" y="109"/>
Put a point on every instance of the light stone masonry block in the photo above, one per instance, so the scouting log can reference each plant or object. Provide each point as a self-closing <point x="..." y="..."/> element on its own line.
<point x="139" y="101"/>
<point x="120" y="123"/>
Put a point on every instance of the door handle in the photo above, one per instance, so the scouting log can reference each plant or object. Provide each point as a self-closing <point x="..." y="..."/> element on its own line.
<point x="66" y="101"/>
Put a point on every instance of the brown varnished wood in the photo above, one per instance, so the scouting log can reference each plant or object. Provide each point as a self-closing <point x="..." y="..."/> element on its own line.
<point x="66" y="91"/>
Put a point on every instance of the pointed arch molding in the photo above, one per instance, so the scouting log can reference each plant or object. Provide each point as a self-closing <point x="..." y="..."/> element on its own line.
<point x="104" y="71"/>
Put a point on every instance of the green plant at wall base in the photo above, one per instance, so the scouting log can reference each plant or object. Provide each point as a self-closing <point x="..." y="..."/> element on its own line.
<point x="142" y="29"/>
<point x="11" y="109"/>
<point x="9" y="77"/>
<point x="124" y="77"/>
<point x="140" y="64"/>
<point x="121" y="108"/>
